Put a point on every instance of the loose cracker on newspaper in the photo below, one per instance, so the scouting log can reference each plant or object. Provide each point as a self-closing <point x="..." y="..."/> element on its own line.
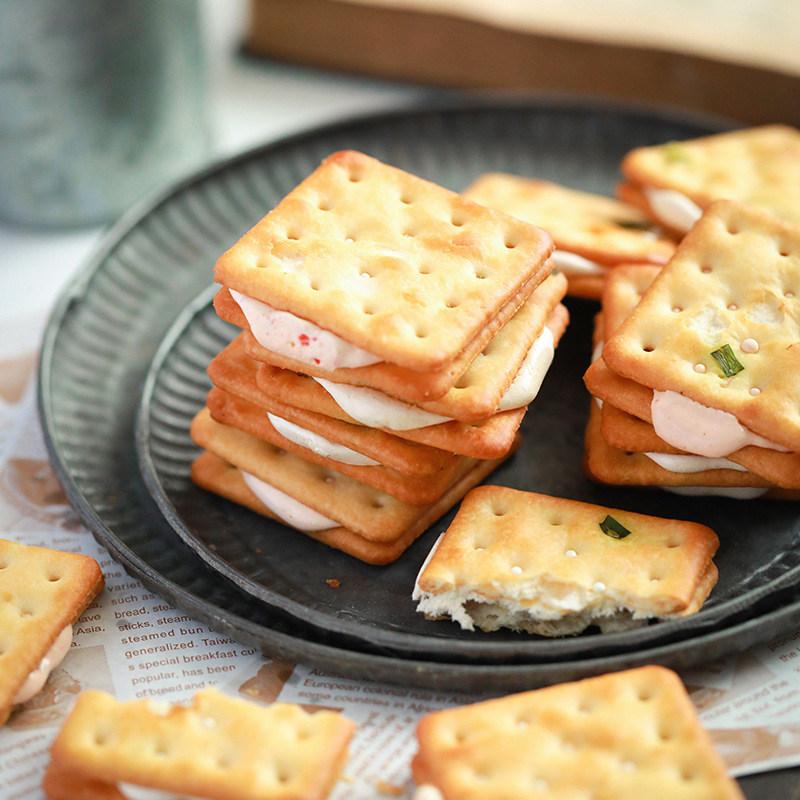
<point x="42" y="592"/>
<point x="732" y="287"/>
<point x="514" y="330"/>
<point x="390" y="262"/>
<point x="554" y="566"/>
<point x="628" y="735"/>
<point x="602" y="230"/>
<point x="758" y="166"/>
<point x="216" y="747"/>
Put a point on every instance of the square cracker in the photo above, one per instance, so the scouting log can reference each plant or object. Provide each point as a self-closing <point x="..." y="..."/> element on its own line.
<point x="216" y="475"/>
<point x="432" y="475"/>
<point x="514" y="330"/>
<point x="628" y="736"/>
<point x="490" y="437"/>
<point x="758" y="166"/>
<point x="217" y="747"/>
<point x="736" y="276"/>
<point x="599" y="228"/>
<point x="532" y="562"/>
<point x="390" y="262"/>
<point x="41" y="592"/>
<point x="234" y="376"/>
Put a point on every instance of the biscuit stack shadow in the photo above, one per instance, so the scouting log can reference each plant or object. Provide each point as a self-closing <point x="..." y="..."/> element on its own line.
<point x="706" y="345"/>
<point x="393" y="334"/>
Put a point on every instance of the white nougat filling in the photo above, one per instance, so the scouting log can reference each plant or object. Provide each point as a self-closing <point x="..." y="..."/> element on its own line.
<point x="292" y="511"/>
<point x="319" y="444"/>
<point x="38" y="677"/>
<point x="672" y="208"/>
<point x="691" y="463"/>
<point x="573" y="265"/>
<point x="291" y="336"/>
<point x="134" y="792"/>
<point x="377" y="410"/>
<point x="690" y="426"/>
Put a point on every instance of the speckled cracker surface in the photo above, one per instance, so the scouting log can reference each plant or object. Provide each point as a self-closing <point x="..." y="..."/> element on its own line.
<point x="602" y="229"/>
<point x="552" y="557"/>
<point x="217" y="747"/>
<point x="392" y="263"/>
<point x="735" y="277"/>
<point x="757" y="166"/>
<point x="628" y="736"/>
<point x="41" y="592"/>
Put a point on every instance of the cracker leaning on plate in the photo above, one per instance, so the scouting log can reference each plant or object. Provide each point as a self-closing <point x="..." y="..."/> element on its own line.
<point x="42" y="594"/>
<point x="218" y="747"/>
<point x="630" y="735"/>
<point x="676" y="181"/>
<point x="552" y="566"/>
<point x="717" y="336"/>
<point x="592" y="233"/>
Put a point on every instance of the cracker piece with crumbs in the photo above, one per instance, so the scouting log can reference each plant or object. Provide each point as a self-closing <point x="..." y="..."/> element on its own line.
<point x="554" y="566"/>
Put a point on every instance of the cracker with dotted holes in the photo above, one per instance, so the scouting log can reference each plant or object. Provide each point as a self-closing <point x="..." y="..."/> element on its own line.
<point x="392" y="263"/>
<point x="479" y="381"/>
<point x="602" y="229"/>
<point x="544" y="564"/>
<point x="625" y="418"/>
<point x="375" y="509"/>
<point x="757" y="166"/>
<point x="217" y="747"/>
<point x="626" y="735"/>
<point x="731" y="283"/>
<point x="41" y="592"/>
<point x="235" y="386"/>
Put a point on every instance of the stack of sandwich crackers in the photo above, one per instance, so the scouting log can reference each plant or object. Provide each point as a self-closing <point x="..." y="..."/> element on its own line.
<point x="393" y="334"/>
<point x="698" y="374"/>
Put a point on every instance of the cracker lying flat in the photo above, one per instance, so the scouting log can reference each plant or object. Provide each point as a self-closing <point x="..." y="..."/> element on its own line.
<point x="218" y="747"/>
<point x="549" y="565"/>
<point x="42" y="591"/>
<point x="490" y="437"/>
<point x="628" y="736"/>
<point x="602" y="230"/>
<point x="733" y="283"/>
<point x="757" y="166"/>
<point x="389" y="262"/>
<point x="371" y="513"/>
<point x="479" y="382"/>
<point x="429" y="478"/>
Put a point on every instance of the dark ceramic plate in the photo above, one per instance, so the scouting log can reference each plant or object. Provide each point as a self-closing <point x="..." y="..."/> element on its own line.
<point x="110" y="323"/>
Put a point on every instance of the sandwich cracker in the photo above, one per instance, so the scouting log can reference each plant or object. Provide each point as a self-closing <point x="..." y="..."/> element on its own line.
<point x="42" y="591"/>
<point x="218" y="747"/>
<point x="628" y="735"/>
<point x="394" y="264"/>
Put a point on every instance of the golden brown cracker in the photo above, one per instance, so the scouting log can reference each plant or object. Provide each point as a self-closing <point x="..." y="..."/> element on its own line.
<point x="216" y="475"/>
<point x="42" y="591"/>
<point x="392" y="263"/>
<point x="733" y="279"/>
<point x="520" y="558"/>
<point x="217" y="747"/>
<point x="758" y="166"/>
<point x="627" y="735"/>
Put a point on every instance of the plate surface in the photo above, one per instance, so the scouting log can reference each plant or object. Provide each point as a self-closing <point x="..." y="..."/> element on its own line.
<point x="108" y="326"/>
